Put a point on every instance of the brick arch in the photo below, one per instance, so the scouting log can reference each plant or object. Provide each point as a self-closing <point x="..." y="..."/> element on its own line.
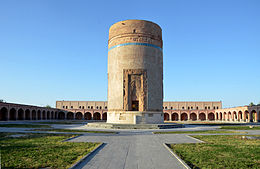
<point x="229" y="115"/>
<point x="184" y="116"/>
<point x="79" y="116"/>
<point x="39" y="115"/>
<point x="87" y="116"/>
<point x="52" y="115"/>
<point x="234" y="116"/>
<point x="202" y="116"/>
<point x="240" y="115"/>
<point x="70" y="116"/>
<point x="193" y="116"/>
<point x="104" y="116"/>
<point x="166" y="116"/>
<point x="175" y="116"/>
<point x="48" y="115"/>
<point x="96" y="116"/>
<point x="211" y="116"/>
<point x="43" y="115"/>
<point x="33" y="115"/>
<point x="253" y="116"/>
<point x="12" y="114"/>
<point x="61" y="115"/>
<point x="3" y="114"/>
<point x="20" y="114"/>
<point x="27" y="114"/>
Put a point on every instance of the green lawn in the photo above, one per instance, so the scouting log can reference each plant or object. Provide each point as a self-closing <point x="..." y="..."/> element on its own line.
<point x="71" y="130"/>
<point x="41" y="150"/>
<point x="25" y="126"/>
<point x="220" y="152"/>
<point x="196" y="132"/>
<point x="240" y="127"/>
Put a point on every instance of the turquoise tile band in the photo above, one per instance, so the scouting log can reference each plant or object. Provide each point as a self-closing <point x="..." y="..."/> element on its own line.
<point x="142" y="44"/>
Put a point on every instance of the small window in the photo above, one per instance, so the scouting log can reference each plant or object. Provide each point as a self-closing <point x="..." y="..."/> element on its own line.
<point x="66" y="107"/>
<point x="191" y="108"/>
<point x="134" y="31"/>
<point x="80" y="107"/>
<point x="217" y="107"/>
<point x="208" y="107"/>
<point x="188" y="108"/>
<point x="100" y="107"/>
<point x="63" y="106"/>
<point x="71" y="107"/>
<point x="91" y="107"/>
<point x="171" y="107"/>
<point x="214" y="107"/>
<point x="166" y="107"/>
<point x="182" y="107"/>
<point x="205" y="107"/>
<point x="105" y="107"/>
<point x="88" y="107"/>
<point x="163" y="107"/>
<point x="197" y="108"/>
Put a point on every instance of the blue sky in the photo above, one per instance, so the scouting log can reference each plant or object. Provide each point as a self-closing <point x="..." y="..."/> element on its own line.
<point x="57" y="49"/>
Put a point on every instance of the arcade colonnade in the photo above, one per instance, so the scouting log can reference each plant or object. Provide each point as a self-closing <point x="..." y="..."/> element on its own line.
<point x="236" y="114"/>
<point x="10" y="111"/>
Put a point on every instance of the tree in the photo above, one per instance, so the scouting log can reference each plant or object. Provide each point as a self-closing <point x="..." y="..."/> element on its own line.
<point x="251" y="104"/>
<point x="1" y="100"/>
<point x="48" y="106"/>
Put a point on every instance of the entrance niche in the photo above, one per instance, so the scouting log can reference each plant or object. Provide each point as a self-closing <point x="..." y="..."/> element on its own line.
<point x="135" y="90"/>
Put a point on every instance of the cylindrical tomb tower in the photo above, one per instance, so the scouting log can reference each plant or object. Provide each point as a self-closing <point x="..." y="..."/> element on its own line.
<point x="135" y="73"/>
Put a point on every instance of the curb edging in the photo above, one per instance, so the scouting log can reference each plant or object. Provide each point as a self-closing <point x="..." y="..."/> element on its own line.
<point x="86" y="156"/>
<point x="176" y="156"/>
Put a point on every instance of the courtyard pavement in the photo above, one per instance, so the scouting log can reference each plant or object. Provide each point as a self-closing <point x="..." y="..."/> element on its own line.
<point x="132" y="149"/>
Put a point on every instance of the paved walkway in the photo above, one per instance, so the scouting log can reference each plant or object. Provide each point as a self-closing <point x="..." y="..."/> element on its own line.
<point x="128" y="150"/>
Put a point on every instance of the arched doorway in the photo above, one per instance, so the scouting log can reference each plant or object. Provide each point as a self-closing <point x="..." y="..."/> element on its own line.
<point x="104" y="116"/>
<point x="166" y="116"/>
<point x="193" y="116"/>
<point x="229" y="116"/>
<point x="70" y="116"/>
<point x="33" y="115"/>
<point x="253" y="116"/>
<point x="79" y="116"/>
<point x="240" y="115"/>
<point x="39" y="117"/>
<point x="20" y="114"/>
<point x="87" y="116"/>
<point x="96" y="116"/>
<point x="175" y="117"/>
<point x="225" y="116"/>
<point x="27" y="114"/>
<point x="43" y="115"/>
<point x="61" y="115"/>
<point x="202" y="116"/>
<point x="217" y="116"/>
<point x="234" y="117"/>
<point x="12" y="114"/>
<point x="246" y="115"/>
<point x="211" y="116"/>
<point x="52" y="115"/>
<point x="184" y="117"/>
<point x="220" y="116"/>
<point x="3" y="114"/>
<point x="48" y="115"/>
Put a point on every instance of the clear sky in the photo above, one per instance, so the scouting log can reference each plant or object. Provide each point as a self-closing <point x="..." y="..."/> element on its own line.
<point x="57" y="49"/>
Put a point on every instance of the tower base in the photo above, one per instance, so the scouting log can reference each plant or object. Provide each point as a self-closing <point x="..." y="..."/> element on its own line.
<point x="135" y="117"/>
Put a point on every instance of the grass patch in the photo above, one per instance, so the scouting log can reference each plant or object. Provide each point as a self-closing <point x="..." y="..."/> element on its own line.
<point x="220" y="152"/>
<point x="41" y="150"/>
<point x="196" y="132"/>
<point x="25" y="126"/>
<point x="71" y="130"/>
<point x="240" y="127"/>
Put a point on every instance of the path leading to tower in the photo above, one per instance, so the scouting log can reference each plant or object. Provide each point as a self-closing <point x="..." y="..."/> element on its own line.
<point x="134" y="150"/>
